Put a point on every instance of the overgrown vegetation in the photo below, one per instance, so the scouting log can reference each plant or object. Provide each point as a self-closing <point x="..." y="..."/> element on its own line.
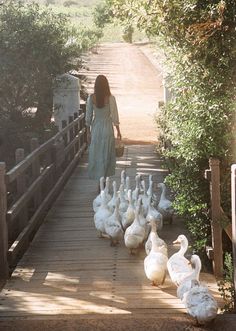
<point x="199" y="42"/>
<point x="119" y="13"/>
<point x="36" y="45"/>
<point x="226" y="286"/>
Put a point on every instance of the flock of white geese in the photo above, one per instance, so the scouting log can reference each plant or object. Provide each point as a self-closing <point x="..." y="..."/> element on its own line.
<point x="131" y="215"/>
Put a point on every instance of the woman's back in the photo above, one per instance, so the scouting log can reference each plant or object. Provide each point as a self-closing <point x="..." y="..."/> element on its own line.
<point x="101" y="115"/>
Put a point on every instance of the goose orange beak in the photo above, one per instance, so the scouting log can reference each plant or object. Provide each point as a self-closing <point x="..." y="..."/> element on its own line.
<point x="176" y="241"/>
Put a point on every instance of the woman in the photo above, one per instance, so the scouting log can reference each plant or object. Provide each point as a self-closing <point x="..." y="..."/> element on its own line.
<point x="101" y="115"/>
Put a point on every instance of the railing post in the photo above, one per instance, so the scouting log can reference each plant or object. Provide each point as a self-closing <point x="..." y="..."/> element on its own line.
<point x="233" y="201"/>
<point x="82" y="124"/>
<point x="71" y="137"/>
<point x="4" y="269"/>
<point x="216" y="228"/>
<point x="65" y="138"/>
<point x="21" y="187"/>
<point x="34" y="144"/>
<point x="77" y="147"/>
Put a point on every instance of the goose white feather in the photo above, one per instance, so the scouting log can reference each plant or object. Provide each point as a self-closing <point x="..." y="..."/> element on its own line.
<point x="165" y="206"/>
<point x="143" y="221"/>
<point x="144" y="198"/>
<point x="129" y="215"/>
<point x="178" y="266"/>
<point x="155" y="263"/>
<point x="101" y="216"/>
<point x="123" y="202"/>
<point x="112" y="203"/>
<point x="134" y="234"/>
<point x="127" y="187"/>
<point x="98" y="200"/>
<point x="154" y="236"/>
<point x="150" y="187"/>
<point x="135" y="192"/>
<point x="153" y="214"/>
<point x="200" y="303"/>
<point x="108" y="196"/>
<point x="122" y="177"/>
<point x="186" y="283"/>
<point x="113" y="225"/>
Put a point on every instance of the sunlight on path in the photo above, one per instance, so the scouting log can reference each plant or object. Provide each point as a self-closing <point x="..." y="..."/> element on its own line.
<point x="135" y="82"/>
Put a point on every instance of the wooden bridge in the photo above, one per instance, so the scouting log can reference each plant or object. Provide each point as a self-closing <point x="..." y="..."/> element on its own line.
<point x="62" y="276"/>
<point x="66" y="269"/>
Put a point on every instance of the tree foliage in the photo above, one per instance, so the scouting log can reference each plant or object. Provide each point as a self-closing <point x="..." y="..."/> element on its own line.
<point x="199" y="42"/>
<point x="120" y="11"/>
<point x="35" y="46"/>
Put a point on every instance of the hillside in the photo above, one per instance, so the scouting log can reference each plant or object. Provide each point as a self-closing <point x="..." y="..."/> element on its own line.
<point x="67" y="3"/>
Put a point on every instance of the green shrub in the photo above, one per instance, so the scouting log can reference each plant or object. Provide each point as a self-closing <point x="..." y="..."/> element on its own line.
<point x="36" y="46"/>
<point x="226" y="286"/>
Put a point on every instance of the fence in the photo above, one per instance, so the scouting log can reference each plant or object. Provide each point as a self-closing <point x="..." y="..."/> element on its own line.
<point x="28" y="190"/>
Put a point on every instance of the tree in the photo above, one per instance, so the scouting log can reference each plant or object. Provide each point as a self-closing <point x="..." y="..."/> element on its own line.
<point x="34" y="49"/>
<point x="35" y="46"/>
<point x="123" y="11"/>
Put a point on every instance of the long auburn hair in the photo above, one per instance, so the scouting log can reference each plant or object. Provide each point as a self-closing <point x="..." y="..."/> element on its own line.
<point x="101" y="90"/>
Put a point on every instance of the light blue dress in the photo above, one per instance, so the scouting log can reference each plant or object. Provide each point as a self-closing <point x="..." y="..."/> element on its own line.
<point x="102" y="157"/>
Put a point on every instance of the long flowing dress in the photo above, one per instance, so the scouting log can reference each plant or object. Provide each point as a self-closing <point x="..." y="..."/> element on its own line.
<point x="102" y="158"/>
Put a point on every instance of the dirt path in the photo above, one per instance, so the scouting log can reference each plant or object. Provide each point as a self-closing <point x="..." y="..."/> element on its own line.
<point x="137" y="85"/>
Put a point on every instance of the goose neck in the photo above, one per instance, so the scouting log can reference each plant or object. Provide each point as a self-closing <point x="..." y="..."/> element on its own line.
<point x="163" y="192"/>
<point x="183" y="247"/>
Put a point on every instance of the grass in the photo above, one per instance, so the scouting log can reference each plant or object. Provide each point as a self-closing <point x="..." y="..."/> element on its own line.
<point x="81" y="13"/>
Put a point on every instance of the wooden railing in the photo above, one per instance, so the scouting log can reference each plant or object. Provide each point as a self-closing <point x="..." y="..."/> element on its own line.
<point x="219" y="220"/>
<point x="28" y="190"/>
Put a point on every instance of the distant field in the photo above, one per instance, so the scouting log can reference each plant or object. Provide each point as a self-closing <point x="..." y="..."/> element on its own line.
<point x="80" y="12"/>
<point x="85" y="3"/>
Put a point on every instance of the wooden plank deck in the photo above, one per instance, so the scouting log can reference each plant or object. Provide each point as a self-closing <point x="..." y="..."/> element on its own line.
<point x="68" y="270"/>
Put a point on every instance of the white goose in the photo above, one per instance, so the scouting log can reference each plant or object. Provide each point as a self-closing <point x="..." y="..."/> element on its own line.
<point x="108" y="196"/>
<point x="186" y="283"/>
<point x="154" y="236"/>
<point x="155" y="263"/>
<point x="165" y="206"/>
<point x="135" y="192"/>
<point x="178" y="266"/>
<point x="200" y="303"/>
<point x="113" y="225"/>
<point x="127" y="187"/>
<point x="144" y="198"/>
<point x="122" y="177"/>
<point x="112" y="203"/>
<point x="134" y="234"/>
<point x="143" y="221"/>
<point x="101" y="215"/>
<point x="153" y="213"/>
<point x="149" y="190"/>
<point x="123" y="202"/>
<point x="98" y="200"/>
<point x="129" y="215"/>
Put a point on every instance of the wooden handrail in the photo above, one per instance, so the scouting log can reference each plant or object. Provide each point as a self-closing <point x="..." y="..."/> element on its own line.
<point x="24" y="164"/>
<point x="17" y="207"/>
<point x="50" y="163"/>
